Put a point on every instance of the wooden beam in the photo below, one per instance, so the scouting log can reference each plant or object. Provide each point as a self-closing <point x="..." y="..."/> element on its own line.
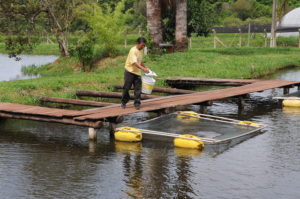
<point x="93" y="124"/>
<point x="173" y="91"/>
<point x="110" y="94"/>
<point x="74" y="102"/>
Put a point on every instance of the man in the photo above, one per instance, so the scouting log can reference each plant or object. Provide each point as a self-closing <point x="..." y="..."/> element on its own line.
<point x="132" y="75"/>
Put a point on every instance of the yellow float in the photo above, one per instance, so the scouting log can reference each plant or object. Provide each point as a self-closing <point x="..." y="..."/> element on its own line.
<point x="128" y="134"/>
<point x="248" y="123"/>
<point x="182" y="142"/>
<point x="291" y="102"/>
<point x="188" y="116"/>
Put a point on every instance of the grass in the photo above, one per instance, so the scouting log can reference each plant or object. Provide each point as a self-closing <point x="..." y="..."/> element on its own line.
<point x="63" y="78"/>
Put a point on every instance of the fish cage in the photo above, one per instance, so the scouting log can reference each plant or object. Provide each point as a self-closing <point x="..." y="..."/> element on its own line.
<point x="191" y="130"/>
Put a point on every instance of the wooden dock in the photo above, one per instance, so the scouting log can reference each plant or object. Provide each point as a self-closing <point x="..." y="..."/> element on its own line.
<point x="94" y="117"/>
<point x="184" y="82"/>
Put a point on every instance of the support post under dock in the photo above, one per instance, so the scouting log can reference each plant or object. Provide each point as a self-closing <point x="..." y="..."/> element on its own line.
<point x="286" y="90"/>
<point x="92" y="134"/>
<point x="241" y="102"/>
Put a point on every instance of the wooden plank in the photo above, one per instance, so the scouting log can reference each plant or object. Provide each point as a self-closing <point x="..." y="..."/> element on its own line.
<point x="174" y="91"/>
<point x="110" y="94"/>
<point x="34" y="110"/>
<point x="75" y="102"/>
<point x="96" y="124"/>
<point x="188" y="81"/>
<point x="173" y="101"/>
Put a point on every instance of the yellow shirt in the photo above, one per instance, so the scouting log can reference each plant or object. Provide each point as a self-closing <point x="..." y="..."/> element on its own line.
<point x="135" y="56"/>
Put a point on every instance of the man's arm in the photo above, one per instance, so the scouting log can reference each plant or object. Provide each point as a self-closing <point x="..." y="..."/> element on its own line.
<point x="142" y="67"/>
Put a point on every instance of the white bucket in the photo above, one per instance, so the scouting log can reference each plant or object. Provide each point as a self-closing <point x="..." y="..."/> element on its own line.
<point x="147" y="84"/>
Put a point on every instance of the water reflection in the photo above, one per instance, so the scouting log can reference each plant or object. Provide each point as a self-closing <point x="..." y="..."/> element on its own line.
<point x="10" y="69"/>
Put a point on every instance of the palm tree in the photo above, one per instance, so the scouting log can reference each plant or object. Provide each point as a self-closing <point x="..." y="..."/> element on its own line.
<point x="181" y="25"/>
<point x="154" y="21"/>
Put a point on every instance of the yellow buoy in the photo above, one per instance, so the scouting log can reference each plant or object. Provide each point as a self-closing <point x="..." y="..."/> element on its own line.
<point x="188" y="116"/>
<point x="187" y="143"/>
<point x="248" y="123"/>
<point x="291" y="102"/>
<point x="125" y="134"/>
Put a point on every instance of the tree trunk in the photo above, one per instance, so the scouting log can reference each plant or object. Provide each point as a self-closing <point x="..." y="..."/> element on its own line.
<point x="63" y="43"/>
<point x="154" y="21"/>
<point x="181" y="25"/>
<point x="274" y="25"/>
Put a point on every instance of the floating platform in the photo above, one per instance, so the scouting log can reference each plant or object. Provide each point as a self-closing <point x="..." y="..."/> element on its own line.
<point x="211" y="130"/>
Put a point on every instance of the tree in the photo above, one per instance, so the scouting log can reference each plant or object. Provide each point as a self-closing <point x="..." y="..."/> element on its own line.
<point x="24" y="19"/>
<point x="107" y="24"/>
<point x="154" y="21"/>
<point x="201" y="17"/>
<point x="181" y="25"/>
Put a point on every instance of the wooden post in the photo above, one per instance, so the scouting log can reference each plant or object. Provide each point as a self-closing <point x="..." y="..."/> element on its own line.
<point x="241" y="102"/>
<point x="203" y="109"/>
<point x="286" y="90"/>
<point x="215" y="38"/>
<point x="113" y="123"/>
<point x="112" y="128"/>
<point x="249" y="34"/>
<point x="92" y="134"/>
<point x="190" y="39"/>
<point x="273" y="30"/>
<point x="240" y="42"/>
<point x="266" y="38"/>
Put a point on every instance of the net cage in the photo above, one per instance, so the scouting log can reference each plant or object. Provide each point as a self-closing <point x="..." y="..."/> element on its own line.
<point x="210" y="129"/>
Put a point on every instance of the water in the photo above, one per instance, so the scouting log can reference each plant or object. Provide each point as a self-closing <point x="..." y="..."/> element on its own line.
<point x="10" y="69"/>
<point x="43" y="160"/>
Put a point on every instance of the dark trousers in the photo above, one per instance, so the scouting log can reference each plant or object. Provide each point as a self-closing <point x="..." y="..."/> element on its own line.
<point x="129" y="80"/>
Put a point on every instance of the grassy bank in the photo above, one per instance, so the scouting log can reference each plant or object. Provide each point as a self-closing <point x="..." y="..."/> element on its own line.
<point x="64" y="77"/>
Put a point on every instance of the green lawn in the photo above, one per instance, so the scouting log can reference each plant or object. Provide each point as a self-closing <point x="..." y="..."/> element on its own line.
<point x="64" y="77"/>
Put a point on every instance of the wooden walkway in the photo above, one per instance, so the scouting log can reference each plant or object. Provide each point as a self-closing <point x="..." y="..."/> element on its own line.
<point x="93" y="118"/>
<point x="190" y="82"/>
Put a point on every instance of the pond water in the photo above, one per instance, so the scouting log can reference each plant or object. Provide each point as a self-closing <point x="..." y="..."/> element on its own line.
<point x="43" y="160"/>
<point x="10" y="69"/>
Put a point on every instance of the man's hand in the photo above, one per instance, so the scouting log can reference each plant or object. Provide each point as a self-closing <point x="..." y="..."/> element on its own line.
<point x="142" y="67"/>
<point x="146" y="70"/>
